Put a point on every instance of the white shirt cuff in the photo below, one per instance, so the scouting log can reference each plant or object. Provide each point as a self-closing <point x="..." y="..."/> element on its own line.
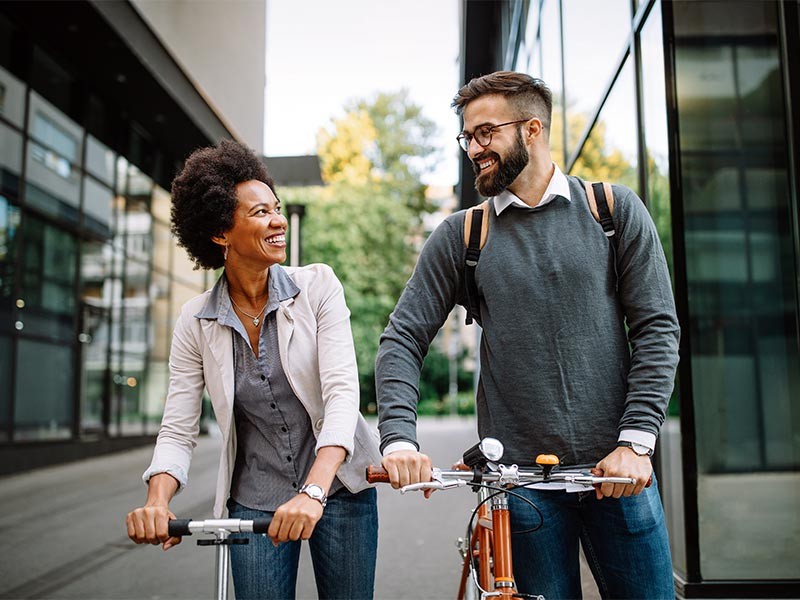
<point x="638" y="437"/>
<point x="396" y="446"/>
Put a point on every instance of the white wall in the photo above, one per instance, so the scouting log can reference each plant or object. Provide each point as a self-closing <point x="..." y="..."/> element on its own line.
<point x="221" y="45"/>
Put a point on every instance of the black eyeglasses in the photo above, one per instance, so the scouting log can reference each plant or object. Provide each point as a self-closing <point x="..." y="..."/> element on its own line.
<point x="483" y="134"/>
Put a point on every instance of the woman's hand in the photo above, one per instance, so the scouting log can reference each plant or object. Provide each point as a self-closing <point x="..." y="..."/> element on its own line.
<point x="295" y="520"/>
<point x="148" y="525"/>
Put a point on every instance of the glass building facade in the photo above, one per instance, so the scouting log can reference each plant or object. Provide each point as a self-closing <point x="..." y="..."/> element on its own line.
<point x="695" y="105"/>
<point x="91" y="280"/>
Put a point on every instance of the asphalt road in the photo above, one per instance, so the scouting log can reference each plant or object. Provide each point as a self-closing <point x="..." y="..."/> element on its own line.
<point x="63" y="533"/>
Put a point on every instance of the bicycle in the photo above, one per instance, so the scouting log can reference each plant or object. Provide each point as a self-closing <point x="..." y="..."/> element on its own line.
<point x="486" y="549"/>
<point x="221" y="530"/>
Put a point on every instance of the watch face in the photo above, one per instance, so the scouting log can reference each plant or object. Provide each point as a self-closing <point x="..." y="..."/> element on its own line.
<point x="640" y="449"/>
<point x="314" y="491"/>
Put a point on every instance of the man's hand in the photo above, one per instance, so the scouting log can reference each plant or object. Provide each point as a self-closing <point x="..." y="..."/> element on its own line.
<point x="406" y="467"/>
<point x="295" y="520"/>
<point x="148" y="525"/>
<point x="623" y="462"/>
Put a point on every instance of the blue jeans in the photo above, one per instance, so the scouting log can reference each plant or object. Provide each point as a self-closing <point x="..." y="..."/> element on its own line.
<point x="625" y="543"/>
<point x="343" y="552"/>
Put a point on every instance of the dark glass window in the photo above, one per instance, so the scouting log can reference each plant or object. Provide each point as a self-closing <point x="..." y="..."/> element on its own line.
<point x="48" y="281"/>
<point x="5" y="385"/>
<point x="742" y="292"/>
<point x="43" y="397"/>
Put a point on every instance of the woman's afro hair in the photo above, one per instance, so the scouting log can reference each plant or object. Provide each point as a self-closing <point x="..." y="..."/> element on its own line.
<point x="204" y="197"/>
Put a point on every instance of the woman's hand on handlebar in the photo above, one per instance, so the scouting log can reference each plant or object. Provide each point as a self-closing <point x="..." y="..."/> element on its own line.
<point x="148" y="525"/>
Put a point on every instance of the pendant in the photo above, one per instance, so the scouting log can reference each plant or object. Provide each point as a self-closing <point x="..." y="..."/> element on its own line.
<point x="256" y="321"/>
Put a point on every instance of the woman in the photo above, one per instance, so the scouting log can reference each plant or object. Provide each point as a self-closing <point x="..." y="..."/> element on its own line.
<point x="273" y="347"/>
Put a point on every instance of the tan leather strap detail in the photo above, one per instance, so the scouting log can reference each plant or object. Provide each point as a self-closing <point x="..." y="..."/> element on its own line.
<point x="593" y="200"/>
<point x="484" y="225"/>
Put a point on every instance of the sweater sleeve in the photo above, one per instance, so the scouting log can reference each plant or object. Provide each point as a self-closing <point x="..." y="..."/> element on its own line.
<point x="433" y="290"/>
<point x="645" y="292"/>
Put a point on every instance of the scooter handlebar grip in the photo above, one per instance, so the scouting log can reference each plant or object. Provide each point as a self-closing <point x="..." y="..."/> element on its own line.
<point x="179" y="527"/>
<point x="261" y="525"/>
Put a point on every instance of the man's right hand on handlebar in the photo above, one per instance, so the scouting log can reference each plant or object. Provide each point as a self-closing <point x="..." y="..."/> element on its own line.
<point x="406" y="467"/>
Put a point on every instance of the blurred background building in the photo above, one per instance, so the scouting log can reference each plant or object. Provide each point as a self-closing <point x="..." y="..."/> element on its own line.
<point x="696" y="106"/>
<point x="99" y="104"/>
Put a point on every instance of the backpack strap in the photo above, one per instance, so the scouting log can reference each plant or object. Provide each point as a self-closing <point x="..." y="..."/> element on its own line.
<point x="476" y="231"/>
<point x="601" y="203"/>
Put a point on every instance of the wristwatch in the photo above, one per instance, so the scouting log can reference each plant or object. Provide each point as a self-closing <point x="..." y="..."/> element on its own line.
<point x="638" y="449"/>
<point x="312" y="490"/>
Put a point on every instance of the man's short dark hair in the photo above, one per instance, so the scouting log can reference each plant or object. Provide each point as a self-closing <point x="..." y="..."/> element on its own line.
<point x="204" y="197"/>
<point x="529" y="96"/>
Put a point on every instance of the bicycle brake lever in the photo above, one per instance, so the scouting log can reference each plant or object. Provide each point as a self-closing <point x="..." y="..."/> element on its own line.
<point x="433" y="485"/>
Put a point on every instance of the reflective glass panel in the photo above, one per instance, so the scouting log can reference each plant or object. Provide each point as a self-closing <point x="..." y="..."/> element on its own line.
<point x="96" y="285"/>
<point x="595" y="34"/>
<point x="5" y="385"/>
<point x="741" y="276"/>
<point x="48" y="281"/>
<point x="44" y="389"/>
<point x="609" y="153"/>
<point x="551" y="74"/>
<point x="10" y="160"/>
<point x="9" y="226"/>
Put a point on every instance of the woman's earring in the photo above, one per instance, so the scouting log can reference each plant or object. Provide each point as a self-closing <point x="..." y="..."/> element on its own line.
<point x="225" y="253"/>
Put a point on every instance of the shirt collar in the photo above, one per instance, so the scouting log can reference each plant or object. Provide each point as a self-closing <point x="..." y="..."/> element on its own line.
<point x="557" y="186"/>
<point x="218" y="305"/>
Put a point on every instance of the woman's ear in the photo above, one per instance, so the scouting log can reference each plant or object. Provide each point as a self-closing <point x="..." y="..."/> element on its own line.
<point x="219" y="239"/>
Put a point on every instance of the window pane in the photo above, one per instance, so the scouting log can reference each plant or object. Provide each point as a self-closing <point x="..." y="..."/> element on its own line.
<point x="12" y="98"/>
<point x="98" y="203"/>
<point x="10" y="160"/>
<point x="48" y="281"/>
<point x="741" y="277"/>
<point x="96" y="285"/>
<point x="609" y="153"/>
<point x="99" y="161"/>
<point x="595" y="34"/>
<point x="5" y="385"/>
<point x="9" y="225"/>
<point x="551" y="74"/>
<point x="43" y="396"/>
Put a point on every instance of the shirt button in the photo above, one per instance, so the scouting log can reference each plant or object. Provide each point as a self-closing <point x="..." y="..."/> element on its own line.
<point x="318" y="424"/>
<point x="294" y="485"/>
<point x="288" y="459"/>
<point x="263" y="378"/>
<point x="283" y="429"/>
<point x="272" y="405"/>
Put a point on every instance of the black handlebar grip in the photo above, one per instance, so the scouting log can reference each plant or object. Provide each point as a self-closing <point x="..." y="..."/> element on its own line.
<point x="179" y="527"/>
<point x="261" y="525"/>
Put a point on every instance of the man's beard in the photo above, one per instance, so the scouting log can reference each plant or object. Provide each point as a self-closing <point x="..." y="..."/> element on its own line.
<point x="505" y="172"/>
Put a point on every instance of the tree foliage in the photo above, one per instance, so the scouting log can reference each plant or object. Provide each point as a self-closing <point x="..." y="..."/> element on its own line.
<point x="364" y="222"/>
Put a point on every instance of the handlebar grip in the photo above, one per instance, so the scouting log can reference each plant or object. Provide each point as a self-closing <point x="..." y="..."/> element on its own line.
<point x="377" y="474"/>
<point x="179" y="527"/>
<point x="261" y="525"/>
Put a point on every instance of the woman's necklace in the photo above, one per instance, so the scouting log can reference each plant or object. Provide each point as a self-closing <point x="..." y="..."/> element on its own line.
<point x="256" y="317"/>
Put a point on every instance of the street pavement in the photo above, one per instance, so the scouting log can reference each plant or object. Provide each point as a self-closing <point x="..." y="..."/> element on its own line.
<point x="63" y="531"/>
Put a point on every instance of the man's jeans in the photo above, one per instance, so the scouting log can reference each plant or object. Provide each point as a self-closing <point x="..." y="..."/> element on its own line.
<point x="343" y="551"/>
<point x="625" y="543"/>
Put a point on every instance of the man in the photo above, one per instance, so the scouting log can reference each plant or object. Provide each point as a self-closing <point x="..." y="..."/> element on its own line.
<point x="559" y="371"/>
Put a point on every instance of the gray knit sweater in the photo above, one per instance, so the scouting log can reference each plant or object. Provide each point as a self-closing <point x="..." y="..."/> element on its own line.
<point x="559" y="372"/>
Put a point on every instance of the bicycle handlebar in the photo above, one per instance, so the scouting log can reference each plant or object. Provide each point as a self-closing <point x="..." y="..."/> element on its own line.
<point x="443" y="479"/>
<point x="181" y="527"/>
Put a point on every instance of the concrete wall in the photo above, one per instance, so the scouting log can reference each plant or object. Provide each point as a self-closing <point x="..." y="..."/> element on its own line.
<point x="221" y="45"/>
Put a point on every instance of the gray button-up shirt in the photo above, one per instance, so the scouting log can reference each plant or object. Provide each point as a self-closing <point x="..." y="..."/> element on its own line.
<point x="275" y="443"/>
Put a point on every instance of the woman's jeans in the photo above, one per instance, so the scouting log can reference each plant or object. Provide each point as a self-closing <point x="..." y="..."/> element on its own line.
<point x="625" y="543"/>
<point x="343" y="552"/>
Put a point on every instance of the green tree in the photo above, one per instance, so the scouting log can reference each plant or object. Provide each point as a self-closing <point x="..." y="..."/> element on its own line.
<point x="365" y="222"/>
